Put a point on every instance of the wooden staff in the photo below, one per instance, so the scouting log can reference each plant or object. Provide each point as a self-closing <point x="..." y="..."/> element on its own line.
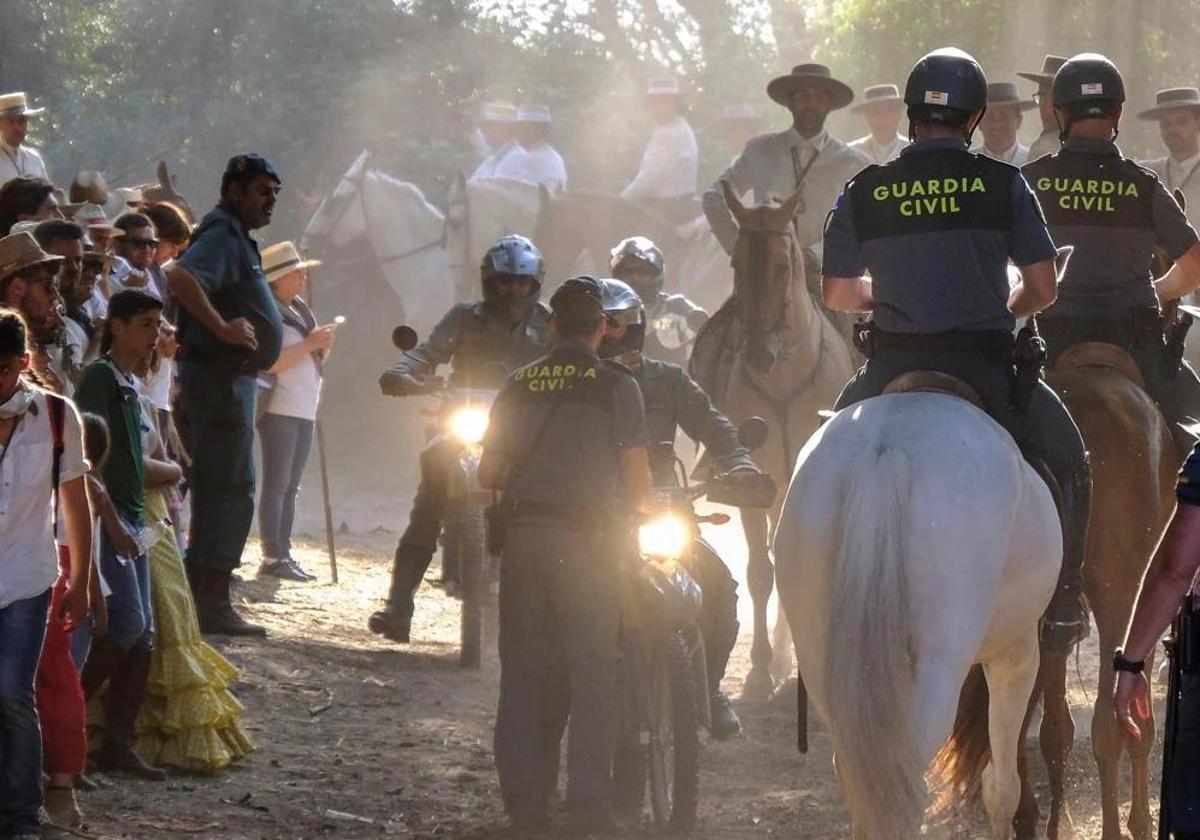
<point x="329" y="544"/>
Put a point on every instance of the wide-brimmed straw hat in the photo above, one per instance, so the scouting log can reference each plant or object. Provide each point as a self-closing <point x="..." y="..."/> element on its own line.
<point x="92" y="217"/>
<point x="1050" y="66"/>
<point x="534" y="114"/>
<point x="17" y="105"/>
<point x="663" y="86"/>
<point x="877" y="94"/>
<point x="498" y="112"/>
<point x="781" y="88"/>
<point x="1173" y="99"/>
<point x="19" y="251"/>
<point x="283" y="257"/>
<point x="1006" y="93"/>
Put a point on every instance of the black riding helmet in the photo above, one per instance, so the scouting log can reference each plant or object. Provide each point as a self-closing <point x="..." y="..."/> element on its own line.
<point x="623" y="307"/>
<point x="945" y="86"/>
<point x="1088" y="85"/>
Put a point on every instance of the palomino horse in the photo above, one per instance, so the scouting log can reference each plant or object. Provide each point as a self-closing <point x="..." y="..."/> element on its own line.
<point x="404" y="231"/>
<point x="480" y="212"/>
<point x="787" y="364"/>
<point x="1134" y="462"/>
<point x="914" y="543"/>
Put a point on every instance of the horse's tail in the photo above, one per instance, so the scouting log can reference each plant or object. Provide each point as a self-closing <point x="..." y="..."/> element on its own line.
<point x="869" y="668"/>
<point x="957" y="769"/>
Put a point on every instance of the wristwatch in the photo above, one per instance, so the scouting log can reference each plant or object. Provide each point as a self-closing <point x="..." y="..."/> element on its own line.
<point x="1120" y="663"/>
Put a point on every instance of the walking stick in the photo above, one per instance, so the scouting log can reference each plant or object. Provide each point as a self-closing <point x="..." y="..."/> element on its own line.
<point x="329" y="544"/>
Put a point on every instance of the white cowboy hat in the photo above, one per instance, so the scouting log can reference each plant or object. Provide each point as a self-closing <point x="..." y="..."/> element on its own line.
<point x="663" y="86"/>
<point x="17" y="105"/>
<point x="534" y="114"/>
<point x="93" y="217"/>
<point x="498" y="112"/>
<point x="122" y="200"/>
<point x="283" y="257"/>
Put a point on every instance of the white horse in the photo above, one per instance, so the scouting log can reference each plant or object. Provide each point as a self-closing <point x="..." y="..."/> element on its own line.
<point x="477" y="214"/>
<point x="915" y="542"/>
<point x="405" y="232"/>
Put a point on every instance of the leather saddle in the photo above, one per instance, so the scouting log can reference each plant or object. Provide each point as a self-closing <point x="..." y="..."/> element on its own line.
<point x="1100" y="354"/>
<point x="932" y="381"/>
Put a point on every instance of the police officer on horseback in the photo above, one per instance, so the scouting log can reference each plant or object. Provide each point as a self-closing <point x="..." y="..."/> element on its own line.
<point x="1115" y="213"/>
<point x="936" y="229"/>
<point x="482" y="342"/>
<point x="673" y="319"/>
<point x="674" y="401"/>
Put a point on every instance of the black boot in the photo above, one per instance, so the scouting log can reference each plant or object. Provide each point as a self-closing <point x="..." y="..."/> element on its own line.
<point x="102" y="659"/>
<point x="725" y="722"/>
<point x="213" y="609"/>
<point x="1065" y="623"/>
<point x="126" y="692"/>
<point x="394" y="621"/>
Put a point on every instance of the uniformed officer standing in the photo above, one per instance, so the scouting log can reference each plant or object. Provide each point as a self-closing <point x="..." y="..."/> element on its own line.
<point x="936" y="229"/>
<point x="674" y="320"/>
<point x="567" y="437"/>
<point x="1115" y="213"/>
<point x="509" y="327"/>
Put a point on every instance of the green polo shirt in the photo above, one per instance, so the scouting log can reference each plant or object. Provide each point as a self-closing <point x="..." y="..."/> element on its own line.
<point x="111" y="394"/>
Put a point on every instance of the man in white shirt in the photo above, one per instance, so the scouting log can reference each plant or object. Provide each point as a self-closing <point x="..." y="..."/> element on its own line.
<point x="1001" y="122"/>
<point x="671" y="160"/>
<point x="540" y="163"/>
<point x="882" y="108"/>
<point x="15" y="157"/>
<point x="497" y="128"/>
<point x="1177" y="111"/>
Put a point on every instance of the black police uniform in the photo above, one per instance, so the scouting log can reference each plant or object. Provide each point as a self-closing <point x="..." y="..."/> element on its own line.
<point x="560" y="425"/>
<point x="1115" y="213"/>
<point x="470" y="339"/>
<point x="936" y="229"/>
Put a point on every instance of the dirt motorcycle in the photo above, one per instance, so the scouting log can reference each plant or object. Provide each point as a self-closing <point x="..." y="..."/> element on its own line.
<point x="663" y="681"/>
<point x="469" y="571"/>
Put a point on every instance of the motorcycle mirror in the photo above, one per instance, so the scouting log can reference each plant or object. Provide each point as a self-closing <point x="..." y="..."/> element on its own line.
<point x="404" y="338"/>
<point x="753" y="432"/>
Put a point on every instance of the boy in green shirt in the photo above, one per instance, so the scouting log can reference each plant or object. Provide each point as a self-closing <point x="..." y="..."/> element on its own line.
<point x="122" y="656"/>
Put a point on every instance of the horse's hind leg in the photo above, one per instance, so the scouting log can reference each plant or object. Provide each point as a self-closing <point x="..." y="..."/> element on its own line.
<point x="1011" y="678"/>
<point x="781" y="650"/>
<point x="760" y="575"/>
<point x="1025" y="823"/>
<point x="1057" y="737"/>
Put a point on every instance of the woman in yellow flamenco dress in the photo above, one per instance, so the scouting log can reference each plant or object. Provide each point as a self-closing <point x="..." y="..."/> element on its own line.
<point x="190" y="720"/>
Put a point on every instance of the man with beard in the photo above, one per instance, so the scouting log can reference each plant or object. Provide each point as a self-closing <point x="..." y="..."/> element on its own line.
<point x="1177" y="111"/>
<point x="508" y="326"/>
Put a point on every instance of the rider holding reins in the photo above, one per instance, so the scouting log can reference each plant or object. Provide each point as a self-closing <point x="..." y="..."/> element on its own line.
<point x="936" y="229"/>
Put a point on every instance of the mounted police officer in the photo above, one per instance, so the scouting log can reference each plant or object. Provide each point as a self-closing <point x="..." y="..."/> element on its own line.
<point x="674" y="401"/>
<point x="1115" y="213"/>
<point x="936" y="229"/>
<point x="509" y="326"/>
<point x="673" y="319"/>
<point x="567" y="437"/>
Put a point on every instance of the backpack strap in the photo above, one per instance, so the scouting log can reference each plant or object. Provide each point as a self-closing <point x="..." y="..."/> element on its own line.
<point x="57" y="407"/>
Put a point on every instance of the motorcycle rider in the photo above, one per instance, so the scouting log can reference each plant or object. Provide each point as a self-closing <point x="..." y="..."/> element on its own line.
<point x="939" y="293"/>
<point x="674" y="320"/>
<point x="509" y="326"/>
<point x="673" y="400"/>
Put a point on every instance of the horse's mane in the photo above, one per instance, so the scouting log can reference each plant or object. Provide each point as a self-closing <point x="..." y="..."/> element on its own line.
<point x="528" y="194"/>
<point x="412" y="190"/>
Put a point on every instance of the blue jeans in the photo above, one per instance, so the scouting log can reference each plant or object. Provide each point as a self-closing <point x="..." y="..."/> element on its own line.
<point x="130" y="614"/>
<point x="286" y="442"/>
<point x="22" y="630"/>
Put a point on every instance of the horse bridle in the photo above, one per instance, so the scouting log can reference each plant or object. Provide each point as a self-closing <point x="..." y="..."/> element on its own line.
<point x="756" y="249"/>
<point x="359" y="180"/>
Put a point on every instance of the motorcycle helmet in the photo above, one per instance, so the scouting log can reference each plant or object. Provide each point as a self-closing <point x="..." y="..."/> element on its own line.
<point x="622" y="306"/>
<point x="635" y="257"/>
<point x="512" y="257"/>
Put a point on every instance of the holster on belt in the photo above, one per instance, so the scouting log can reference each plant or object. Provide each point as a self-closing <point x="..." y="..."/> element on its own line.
<point x="1029" y="362"/>
<point x="1176" y="335"/>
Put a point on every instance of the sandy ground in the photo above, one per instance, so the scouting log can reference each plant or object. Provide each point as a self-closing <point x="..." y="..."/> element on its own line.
<point x="361" y="738"/>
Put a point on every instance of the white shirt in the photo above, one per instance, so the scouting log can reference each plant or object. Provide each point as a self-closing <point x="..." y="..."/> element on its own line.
<point x="1017" y="154"/>
<point x="879" y="154"/>
<point x="670" y="163"/>
<point x="1177" y="173"/>
<point x="537" y="165"/>
<point x="297" y="389"/>
<point x="28" y="558"/>
<point x="20" y="161"/>
<point x="157" y="384"/>
<point x="506" y="155"/>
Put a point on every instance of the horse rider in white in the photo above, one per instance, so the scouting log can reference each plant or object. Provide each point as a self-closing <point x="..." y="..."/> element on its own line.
<point x="17" y="158"/>
<point x="1177" y="111"/>
<point x="539" y="162"/>
<point x="1048" y="141"/>
<point x="882" y="108"/>
<point x="804" y="156"/>
<point x="671" y="160"/>
<point x="497" y="129"/>
<point x="1001" y="122"/>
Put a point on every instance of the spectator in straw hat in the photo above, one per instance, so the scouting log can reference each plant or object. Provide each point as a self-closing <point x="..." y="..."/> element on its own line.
<point x="27" y="198"/>
<point x="671" y="160"/>
<point x="1048" y="141"/>
<point x="15" y="157"/>
<point x="497" y="129"/>
<point x="540" y="163"/>
<point x="881" y="107"/>
<point x="1177" y="111"/>
<point x="1001" y="122"/>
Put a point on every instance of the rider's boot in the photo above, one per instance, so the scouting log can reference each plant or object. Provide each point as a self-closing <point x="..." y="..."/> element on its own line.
<point x="1065" y="623"/>
<point x="720" y="638"/>
<point x="725" y="722"/>
<point x="394" y="621"/>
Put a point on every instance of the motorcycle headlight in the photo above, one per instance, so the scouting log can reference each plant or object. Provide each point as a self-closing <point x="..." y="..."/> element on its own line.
<point x="469" y="424"/>
<point x="666" y="535"/>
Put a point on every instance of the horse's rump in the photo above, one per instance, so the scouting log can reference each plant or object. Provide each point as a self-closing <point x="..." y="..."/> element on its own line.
<point x="1100" y="354"/>
<point x="933" y="382"/>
